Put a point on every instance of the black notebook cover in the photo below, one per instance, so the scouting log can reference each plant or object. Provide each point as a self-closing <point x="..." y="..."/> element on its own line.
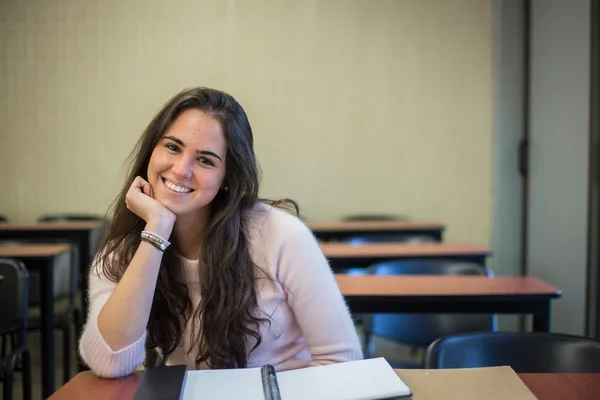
<point x="166" y="383"/>
<point x="161" y="383"/>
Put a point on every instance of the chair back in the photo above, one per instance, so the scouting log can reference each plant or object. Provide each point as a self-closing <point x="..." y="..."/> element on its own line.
<point x="525" y="352"/>
<point x="13" y="296"/>
<point x="420" y="330"/>
<point x="386" y="238"/>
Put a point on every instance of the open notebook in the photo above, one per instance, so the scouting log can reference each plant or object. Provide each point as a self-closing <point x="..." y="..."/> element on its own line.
<point x="354" y="380"/>
<point x="371" y="379"/>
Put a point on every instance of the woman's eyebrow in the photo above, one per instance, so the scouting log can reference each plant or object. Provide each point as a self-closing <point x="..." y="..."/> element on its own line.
<point x="208" y="153"/>
<point x="176" y="140"/>
<point x="203" y="152"/>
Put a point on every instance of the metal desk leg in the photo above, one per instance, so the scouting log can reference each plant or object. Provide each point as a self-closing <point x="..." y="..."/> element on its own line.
<point x="541" y="319"/>
<point x="47" y="328"/>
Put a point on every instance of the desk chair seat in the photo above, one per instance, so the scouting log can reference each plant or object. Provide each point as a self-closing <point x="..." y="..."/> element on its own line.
<point x="525" y="352"/>
<point x="420" y="330"/>
<point x="13" y="322"/>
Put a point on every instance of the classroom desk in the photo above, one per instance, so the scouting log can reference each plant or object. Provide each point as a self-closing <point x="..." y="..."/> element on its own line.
<point x="450" y="294"/>
<point x="563" y="386"/>
<point x="341" y="230"/>
<point x="85" y="234"/>
<point x="41" y="258"/>
<point x="344" y="255"/>
<point x="86" y="385"/>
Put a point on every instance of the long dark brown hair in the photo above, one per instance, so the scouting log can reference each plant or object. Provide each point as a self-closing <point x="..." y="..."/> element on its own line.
<point x="227" y="311"/>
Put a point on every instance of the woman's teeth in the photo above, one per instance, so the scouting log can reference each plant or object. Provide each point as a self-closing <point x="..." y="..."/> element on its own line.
<point x="176" y="188"/>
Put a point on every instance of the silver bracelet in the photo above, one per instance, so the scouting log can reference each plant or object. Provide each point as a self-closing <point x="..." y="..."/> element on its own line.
<point x="156" y="240"/>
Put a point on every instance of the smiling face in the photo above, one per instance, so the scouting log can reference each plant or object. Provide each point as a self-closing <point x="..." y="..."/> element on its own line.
<point x="187" y="167"/>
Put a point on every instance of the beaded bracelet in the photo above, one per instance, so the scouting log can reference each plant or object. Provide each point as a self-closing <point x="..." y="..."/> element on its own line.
<point x="155" y="240"/>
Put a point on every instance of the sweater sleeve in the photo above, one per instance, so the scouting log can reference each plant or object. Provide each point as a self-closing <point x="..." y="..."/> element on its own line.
<point x="315" y="298"/>
<point x="95" y="352"/>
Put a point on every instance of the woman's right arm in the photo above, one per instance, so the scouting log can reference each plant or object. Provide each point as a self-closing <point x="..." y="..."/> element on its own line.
<point x="124" y="317"/>
<point x="113" y="341"/>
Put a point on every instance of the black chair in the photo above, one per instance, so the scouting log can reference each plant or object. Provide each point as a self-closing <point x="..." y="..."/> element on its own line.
<point x="525" y="352"/>
<point x="420" y="330"/>
<point x="13" y="322"/>
<point x="66" y="311"/>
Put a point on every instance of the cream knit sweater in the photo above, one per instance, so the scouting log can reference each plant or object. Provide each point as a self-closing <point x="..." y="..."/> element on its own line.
<point x="310" y="326"/>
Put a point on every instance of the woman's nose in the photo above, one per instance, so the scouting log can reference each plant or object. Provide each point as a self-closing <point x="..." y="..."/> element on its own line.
<point x="183" y="168"/>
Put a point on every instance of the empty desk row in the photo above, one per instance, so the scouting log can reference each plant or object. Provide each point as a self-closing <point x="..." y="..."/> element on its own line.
<point x="342" y="230"/>
<point x="345" y="255"/>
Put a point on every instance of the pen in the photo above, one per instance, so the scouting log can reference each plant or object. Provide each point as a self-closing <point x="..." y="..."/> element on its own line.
<point x="269" y="382"/>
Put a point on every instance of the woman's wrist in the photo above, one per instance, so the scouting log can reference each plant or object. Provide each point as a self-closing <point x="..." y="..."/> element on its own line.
<point x="161" y="224"/>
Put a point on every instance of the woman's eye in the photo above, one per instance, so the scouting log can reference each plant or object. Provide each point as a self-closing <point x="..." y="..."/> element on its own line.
<point x="172" y="147"/>
<point x="206" y="161"/>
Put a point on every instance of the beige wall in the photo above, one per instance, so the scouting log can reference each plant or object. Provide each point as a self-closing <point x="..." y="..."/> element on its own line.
<point x="382" y="106"/>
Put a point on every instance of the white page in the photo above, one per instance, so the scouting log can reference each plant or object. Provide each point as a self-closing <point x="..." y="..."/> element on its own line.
<point x="353" y="380"/>
<point x="223" y="384"/>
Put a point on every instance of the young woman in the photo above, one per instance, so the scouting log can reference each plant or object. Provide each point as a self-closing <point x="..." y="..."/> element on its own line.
<point x="197" y="267"/>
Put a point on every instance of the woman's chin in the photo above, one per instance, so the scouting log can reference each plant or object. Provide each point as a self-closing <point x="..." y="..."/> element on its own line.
<point x="182" y="212"/>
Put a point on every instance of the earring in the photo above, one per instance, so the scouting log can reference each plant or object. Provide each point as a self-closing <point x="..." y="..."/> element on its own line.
<point x="226" y="188"/>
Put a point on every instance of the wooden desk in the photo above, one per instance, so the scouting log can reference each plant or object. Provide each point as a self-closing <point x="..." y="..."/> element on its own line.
<point x="344" y="255"/>
<point x="563" y="386"/>
<point x="85" y="234"/>
<point x="544" y="386"/>
<point x="341" y="230"/>
<point x="450" y="294"/>
<point x="40" y="258"/>
<point x="86" y="385"/>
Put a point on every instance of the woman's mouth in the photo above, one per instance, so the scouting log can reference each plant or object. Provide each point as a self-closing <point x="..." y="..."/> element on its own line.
<point x="176" y="188"/>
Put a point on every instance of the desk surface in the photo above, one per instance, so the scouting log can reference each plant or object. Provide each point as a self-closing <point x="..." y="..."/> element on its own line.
<point x="346" y="250"/>
<point x="51" y="226"/>
<point x="442" y="285"/>
<point x="86" y="385"/>
<point x="33" y="250"/>
<point x="563" y="386"/>
<point x="367" y="226"/>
